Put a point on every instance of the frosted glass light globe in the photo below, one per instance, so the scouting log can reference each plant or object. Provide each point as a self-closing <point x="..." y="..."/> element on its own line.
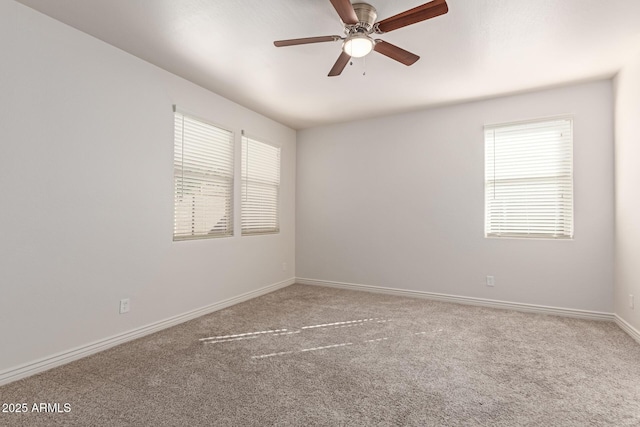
<point x="358" y="45"/>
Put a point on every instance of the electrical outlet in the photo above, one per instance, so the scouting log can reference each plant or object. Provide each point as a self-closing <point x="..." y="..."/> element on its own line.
<point x="124" y="305"/>
<point x="631" y="301"/>
<point x="491" y="281"/>
<point x="284" y="266"/>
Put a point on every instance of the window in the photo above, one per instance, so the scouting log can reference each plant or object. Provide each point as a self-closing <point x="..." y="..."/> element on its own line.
<point x="260" y="187"/>
<point x="203" y="179"/>
<point x="529" y="179"/>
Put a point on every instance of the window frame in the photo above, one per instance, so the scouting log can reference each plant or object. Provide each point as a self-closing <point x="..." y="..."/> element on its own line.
<point x="565" y="209"/>
<point x="245" y="183"/>
<point x="228" y="179"/>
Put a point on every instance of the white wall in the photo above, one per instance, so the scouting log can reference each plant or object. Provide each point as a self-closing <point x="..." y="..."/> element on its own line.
<point x="627" y="200"/>
<point x="398" y="202"/>
<point x="86" y="180"/>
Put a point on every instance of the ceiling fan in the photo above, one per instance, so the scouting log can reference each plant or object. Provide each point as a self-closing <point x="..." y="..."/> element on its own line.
<point x="360" y="23"/>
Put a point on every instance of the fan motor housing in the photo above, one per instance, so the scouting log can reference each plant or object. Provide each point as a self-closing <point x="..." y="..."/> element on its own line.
<point x="366" y="14"/>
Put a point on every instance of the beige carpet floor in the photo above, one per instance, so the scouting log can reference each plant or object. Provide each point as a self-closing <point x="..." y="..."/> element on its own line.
<point x="309" y="355"/>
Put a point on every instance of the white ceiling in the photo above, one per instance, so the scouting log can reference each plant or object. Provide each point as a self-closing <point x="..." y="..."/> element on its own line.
<point x="481" y="48"/>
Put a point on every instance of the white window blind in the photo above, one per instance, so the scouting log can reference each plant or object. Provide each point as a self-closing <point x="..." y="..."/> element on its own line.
<point x="529" y="179"/>
<point x="260" y="187"/>
<point x="203" y="178"/>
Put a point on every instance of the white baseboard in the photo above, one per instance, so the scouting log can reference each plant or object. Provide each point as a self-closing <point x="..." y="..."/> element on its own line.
<point x="630" y="330"/>
<point x="532" y="308"/>
<point x="46" y="363"/>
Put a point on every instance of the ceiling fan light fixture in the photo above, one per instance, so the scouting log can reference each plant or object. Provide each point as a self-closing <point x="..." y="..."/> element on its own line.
<point x="358" y="45"/>
<point x="359" y="20"/>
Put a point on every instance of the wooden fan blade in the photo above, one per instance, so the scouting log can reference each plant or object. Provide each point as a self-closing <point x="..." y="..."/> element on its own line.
<point x="306" y="40"/>
<point x="342" y="62"/>
<point x="345" y="10"/>
<point x="412" y="16"/>
<point x="394" y="52"/>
